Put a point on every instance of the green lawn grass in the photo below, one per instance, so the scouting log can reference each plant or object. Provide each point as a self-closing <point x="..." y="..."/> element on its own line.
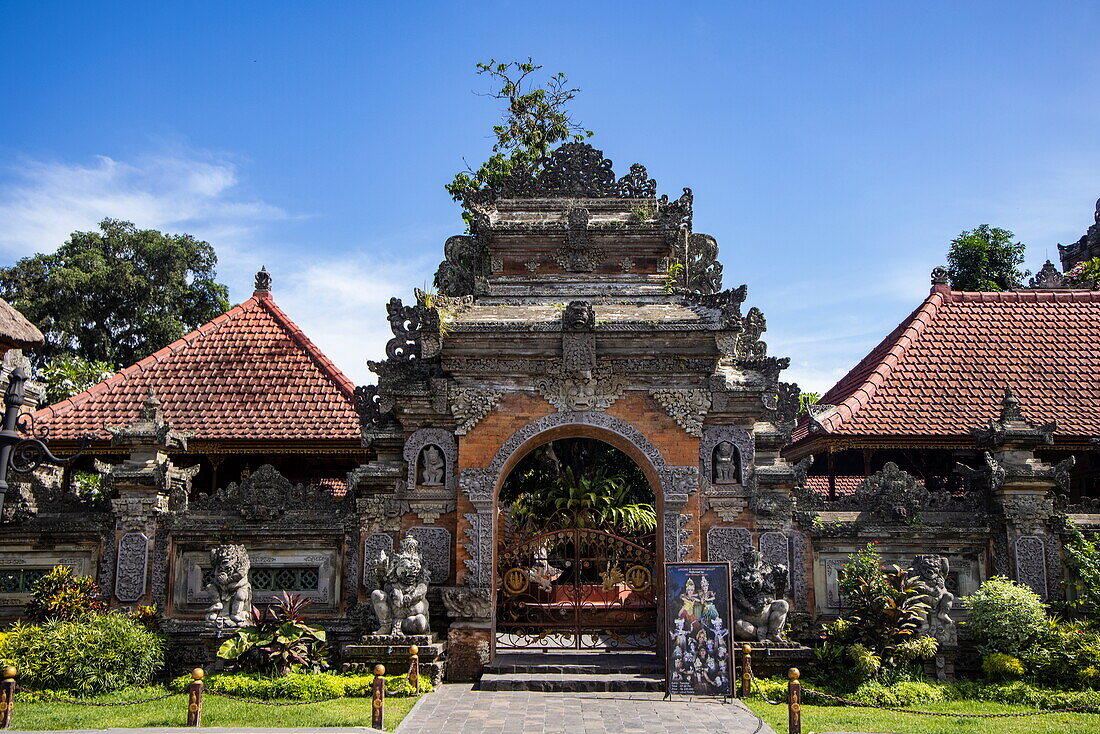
<point x="31" y="712"/>
<point x="854" y="719"/>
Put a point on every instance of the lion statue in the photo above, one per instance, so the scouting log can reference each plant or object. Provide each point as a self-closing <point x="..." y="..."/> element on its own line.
<point x="229" y="586"/>
<point x="400" y="600"/>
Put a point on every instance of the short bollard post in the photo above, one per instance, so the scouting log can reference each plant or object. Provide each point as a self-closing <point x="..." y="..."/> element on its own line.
<point x="378" y="697"/>
<point x="414" y="668"/>
<point x="7" y="697"/>
<point x="746" y="671"/>
<point x="194" y="698"/>
<point x="794" y="702"/>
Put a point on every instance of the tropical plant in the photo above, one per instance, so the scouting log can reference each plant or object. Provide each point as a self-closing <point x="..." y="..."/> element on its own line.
<point x="278" y="639"/>
<point x="105" y="652"/>
<point x="596" y="501"/>
<point x="1083" y="556"/>
<point x="805" y="400"/>
<point x="1085" y="273"/>
<point x="1005" y="616"/>
<point x="67" y="375"/>
<point x="59" y="595"/>
<point x="985" y="259"/>
<point x="534" y="121"/>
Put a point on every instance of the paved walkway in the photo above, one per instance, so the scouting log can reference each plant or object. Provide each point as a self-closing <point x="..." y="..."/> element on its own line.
<point x="458" y="708"/>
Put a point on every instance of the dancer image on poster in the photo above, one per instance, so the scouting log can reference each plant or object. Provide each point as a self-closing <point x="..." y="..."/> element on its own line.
<point x="689" y="599"/>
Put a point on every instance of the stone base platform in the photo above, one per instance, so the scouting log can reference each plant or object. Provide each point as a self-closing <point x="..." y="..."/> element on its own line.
<point x="393" y="652"/>
<point x="574" y="672"/>
<point x="771" y="659"/>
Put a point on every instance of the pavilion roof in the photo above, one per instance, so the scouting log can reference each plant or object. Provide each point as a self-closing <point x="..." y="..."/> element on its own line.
<point x="943" y="370"/>
<point x="250" y="374"/>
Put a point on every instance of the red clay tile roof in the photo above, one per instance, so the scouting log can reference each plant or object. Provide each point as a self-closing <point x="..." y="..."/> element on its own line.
<point x="944" y="369"/>
<point x="250" y="374"/>
<point x="845" y="484"/>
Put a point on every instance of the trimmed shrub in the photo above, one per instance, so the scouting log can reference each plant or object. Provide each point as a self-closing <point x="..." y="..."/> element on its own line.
<point x="904" y="694"/>
<point x="106" y="653"/>
<point x="1020" y="693"/>
<point x="999" y="666"/>
<point x="300" y="686"/>
<point x="1005" y="616"/>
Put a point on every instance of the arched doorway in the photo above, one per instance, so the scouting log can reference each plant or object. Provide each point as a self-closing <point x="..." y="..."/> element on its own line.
<point x="576" y="560"/>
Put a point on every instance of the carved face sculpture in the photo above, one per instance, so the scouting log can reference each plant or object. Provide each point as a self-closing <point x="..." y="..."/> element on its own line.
<point x="407" y="565"/>
<point x="229" y="564"/>
<point x="725" y="463"/>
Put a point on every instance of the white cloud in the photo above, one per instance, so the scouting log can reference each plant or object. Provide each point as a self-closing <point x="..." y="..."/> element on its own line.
<point x="43" y="202"/>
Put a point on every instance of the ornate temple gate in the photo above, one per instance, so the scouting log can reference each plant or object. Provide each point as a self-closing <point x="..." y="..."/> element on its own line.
<point x="576" y="588"/>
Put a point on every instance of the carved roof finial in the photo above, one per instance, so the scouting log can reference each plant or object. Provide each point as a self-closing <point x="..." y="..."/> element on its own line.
<point x="1048" y="277"/>
<point x="1010" y="407"/>
<point x="940" y="276"/>
<point x="263" y="281"/>
<point x="150" y="407"/>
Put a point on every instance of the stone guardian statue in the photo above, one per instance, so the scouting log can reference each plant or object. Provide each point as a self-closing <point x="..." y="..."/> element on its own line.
<point x="399" y="600"/>
<point x="229" y="586"/>
<point x="758" y="589"/>
<point x="930" y="572"/>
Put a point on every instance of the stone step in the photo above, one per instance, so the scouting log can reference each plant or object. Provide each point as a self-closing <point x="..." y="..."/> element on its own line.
<point x="579" y="663"/>
<point x="361" y="652"/>
<point x="571" y="683"/>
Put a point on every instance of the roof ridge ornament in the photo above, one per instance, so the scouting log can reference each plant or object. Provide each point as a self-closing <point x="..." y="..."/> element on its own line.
<point x="572" y="170"/>
<point x="263" y="281"/>
<point x="940" y="276"/>
<point x="1048" y="278"/>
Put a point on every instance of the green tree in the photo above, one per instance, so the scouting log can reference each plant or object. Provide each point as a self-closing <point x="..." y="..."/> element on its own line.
<point x="534" y="121"/>
<point x="116" y="295"/>
<point x="67" y="375"/>
<point x="986" y="259"/>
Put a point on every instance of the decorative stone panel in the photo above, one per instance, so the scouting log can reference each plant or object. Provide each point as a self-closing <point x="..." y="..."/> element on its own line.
<point x="1031" y="565"/>
<point x="775" y="547"/>
<point x="131" y="565"/>
<point x="439" y="437"/>
<point x="688" y="407"/>
<point x="677" y="533"/>
<point x="479" y="546"/>
<point x="470" y="404"/>
<point x="435" y="547"/>
<point x="727" y="544"/>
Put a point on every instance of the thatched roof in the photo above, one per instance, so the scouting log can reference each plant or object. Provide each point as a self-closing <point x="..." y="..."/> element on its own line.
<point x="15" y="331"/>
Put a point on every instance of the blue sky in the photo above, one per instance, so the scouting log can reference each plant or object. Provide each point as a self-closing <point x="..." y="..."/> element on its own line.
<point x="834" y="148"/>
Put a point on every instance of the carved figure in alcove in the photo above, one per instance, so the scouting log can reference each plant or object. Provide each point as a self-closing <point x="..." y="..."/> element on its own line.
<point x="727" y="464"/>
<point x="432" y="466"/>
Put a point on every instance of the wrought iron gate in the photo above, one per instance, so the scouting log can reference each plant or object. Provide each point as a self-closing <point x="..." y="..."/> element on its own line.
<point x="576" y="588"/>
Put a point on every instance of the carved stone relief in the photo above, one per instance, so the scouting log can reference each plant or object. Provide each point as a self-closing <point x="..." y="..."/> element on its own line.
<point x="581" y="391"/>
<point x="727" y="544"/>
<point x="435" y="547"/>
<point x="470" y="404"/>
<point x="688" y="407"/>
<point x="740" y="439"/>
<point x="373" y="545"/>
<point x="466" y="604"/>
<point x="131" y="564"/>
<point x="775" y="548"/>
<point x="479" y="545"/>
<point x="417" y="444"/>
<point x="1031" y="565"/>
<point x="677" y="533"/>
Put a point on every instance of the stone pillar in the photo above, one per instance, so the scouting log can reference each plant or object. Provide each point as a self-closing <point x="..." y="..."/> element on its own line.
<point x="147" y="485"/>
<point x="1025" y="544"/>
<point x="470" y="637"/>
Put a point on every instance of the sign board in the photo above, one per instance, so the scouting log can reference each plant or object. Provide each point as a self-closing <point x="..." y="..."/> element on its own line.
<point x="698" y="619"/>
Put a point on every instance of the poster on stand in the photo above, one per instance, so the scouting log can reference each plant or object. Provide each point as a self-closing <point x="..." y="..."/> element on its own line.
<point x="698" y="619"/>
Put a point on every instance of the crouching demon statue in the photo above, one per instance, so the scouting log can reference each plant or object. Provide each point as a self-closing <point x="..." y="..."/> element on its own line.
<point x="229" y="586"/>
<point x="758" y="588"/>
<point x="930" y="574"/>
<point x="400" y="601"/>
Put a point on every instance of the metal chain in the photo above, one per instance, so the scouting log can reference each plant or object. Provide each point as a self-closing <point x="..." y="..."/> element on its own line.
<point x="271" y="703"/>
<point x="1080" y="709"/>
<point x="756" y="682"/>
<point x="78" y="702"/>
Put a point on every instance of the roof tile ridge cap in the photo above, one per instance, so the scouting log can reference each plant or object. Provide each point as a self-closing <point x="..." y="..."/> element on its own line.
<point x="327" y="366"/>
<point x="60" y="408"/>
<point x="865" y="391"/>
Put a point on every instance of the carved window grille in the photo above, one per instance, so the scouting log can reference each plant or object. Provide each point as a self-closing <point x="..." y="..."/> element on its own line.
<point x="278" y="578"/>
<point x="20" y="580"/>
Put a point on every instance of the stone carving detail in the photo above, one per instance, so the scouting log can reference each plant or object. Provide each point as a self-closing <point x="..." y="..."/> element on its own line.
<point x="1031" y="567"/>
<point x="773" y="508"/>
<point x="1085" y="248"/>
<point x="465" y="262"/>
<point x="627" y="264"/>
<point x="470" y="404"/>
<point x="479" y="546"/>
<point x="578" y="170"/>
<point x="748" y="345"/>
<point x="892" y="495"/>
<point x="229" y="588"/>
<point x="263" y="280"/>
<point x="940" y="276"/>
<point x="727" y="544"/>
<point x="578" y="342"/>
<point x="131" y="564"/>
<point x="727" y="464"/>
<point x="697" y="256"/>
<point x="265" y="495"/>
<point x="578" y="254"/>
<point x="744" y="446"/>
<point x="688" y="407"/>
<point x="374" y="408"/>
<point x="930" y="572"/>
<point x="1027" y="513"/>
<point x="1048" y="277"/>
<point x="400" y="594"/>
<point x="431" y="466"/>
<point x="676" y="534"/>
<point x="775" y="549"/>
<point x="411" y="325"/>
<point x="477" y="484"/>
<point x="415" y="453"/>
<point x="758" y="590"/>
<point x="678" y="483"/>
<point x="577" y="391"/>
<point x="375" y="544"/>
<point x="532" y="266"/>
<point x="467" y="604"/>
<point x="435" y="545"/>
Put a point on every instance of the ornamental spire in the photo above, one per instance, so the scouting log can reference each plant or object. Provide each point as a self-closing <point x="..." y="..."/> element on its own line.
<point x="263" y="281"/>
